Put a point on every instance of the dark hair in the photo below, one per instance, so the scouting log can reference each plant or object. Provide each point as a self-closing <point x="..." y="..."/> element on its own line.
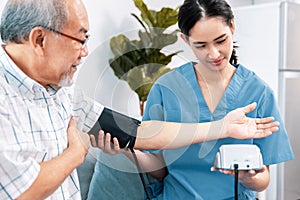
<point x="193" y="10"/>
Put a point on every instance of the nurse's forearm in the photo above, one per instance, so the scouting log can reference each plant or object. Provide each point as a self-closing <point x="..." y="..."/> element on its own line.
<point x="153" y="134"/>
<point x="168" y="135"/>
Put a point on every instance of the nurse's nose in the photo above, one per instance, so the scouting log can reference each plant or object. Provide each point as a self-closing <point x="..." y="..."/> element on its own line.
<point x="213" y="52"/>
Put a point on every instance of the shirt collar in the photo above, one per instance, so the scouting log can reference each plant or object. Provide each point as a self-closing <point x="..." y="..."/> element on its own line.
<point x="16" y="77"/>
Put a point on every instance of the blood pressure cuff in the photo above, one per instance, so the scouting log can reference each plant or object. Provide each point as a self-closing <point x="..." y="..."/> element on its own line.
<point x="123" y="127"/>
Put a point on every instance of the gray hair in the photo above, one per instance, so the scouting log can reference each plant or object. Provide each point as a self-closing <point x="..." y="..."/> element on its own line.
<point x="19" y="17"/>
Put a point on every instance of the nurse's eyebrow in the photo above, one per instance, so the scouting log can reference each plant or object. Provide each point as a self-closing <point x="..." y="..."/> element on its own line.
<point x="221" y="36"/>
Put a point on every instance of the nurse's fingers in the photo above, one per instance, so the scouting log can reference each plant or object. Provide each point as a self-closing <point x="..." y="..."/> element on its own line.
<point x="249" y="108"/>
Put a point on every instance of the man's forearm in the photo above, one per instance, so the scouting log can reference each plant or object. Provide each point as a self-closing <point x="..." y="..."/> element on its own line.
<point x="52" y="174"/>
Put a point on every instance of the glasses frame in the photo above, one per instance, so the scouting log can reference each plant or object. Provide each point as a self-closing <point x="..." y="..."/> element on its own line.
<point x="82" y="42"/>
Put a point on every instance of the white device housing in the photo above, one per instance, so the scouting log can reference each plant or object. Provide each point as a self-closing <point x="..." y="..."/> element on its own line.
<point x="247" y="156"/>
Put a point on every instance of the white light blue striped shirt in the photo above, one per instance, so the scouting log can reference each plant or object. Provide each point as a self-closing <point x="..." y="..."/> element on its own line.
<point x="33" y="124"/>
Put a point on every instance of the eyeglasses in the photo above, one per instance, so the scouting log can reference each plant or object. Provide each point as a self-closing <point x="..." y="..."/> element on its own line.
<point x="83" y="42"/>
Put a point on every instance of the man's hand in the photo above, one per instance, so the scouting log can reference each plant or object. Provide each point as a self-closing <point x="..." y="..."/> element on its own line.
<point x="77" y="140"/>
<point x="54" y="172"/>
<point x="238" y="126"/>
<point x="104" y="143"/>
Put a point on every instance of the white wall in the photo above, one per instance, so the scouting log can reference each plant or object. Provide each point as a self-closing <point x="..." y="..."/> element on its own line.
<point x="2" y="3"/>
<point x="250" y="2"/>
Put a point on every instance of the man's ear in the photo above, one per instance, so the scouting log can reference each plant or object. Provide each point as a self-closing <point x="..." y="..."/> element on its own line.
<point x="36" y="40"/>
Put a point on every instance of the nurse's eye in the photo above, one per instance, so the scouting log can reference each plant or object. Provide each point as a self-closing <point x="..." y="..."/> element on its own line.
<point x="200" y="47"/>
<point x="221" y="41"/>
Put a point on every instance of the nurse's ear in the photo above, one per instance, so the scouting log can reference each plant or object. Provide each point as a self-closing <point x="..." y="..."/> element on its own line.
<point x="185" y="38"/>
<point x="232" y="28"/>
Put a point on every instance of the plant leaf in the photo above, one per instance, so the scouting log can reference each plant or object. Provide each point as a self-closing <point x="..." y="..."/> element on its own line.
<point x="142" y="84"/>
<point x="146" y="14"/>
<point x="165" y="18"/>
<point x="141" y="62"/>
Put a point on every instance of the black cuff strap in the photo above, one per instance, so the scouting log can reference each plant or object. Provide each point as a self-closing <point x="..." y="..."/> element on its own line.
<point x="123" y="127"/>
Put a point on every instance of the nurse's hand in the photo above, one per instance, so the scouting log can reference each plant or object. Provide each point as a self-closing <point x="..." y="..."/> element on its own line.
<point x="105" y="144"/>
<point x="257" y="180"/>
<point x="243" y="174"/>
<point x="237" y="125"/>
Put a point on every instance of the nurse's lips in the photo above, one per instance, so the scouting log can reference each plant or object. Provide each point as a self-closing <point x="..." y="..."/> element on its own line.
<point x="218" y="62"/>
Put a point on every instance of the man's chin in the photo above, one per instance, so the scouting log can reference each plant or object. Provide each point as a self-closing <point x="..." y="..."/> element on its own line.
<point x="65" y="82"/>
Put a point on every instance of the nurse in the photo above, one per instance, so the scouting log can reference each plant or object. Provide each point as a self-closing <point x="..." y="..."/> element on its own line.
<point x="206" y="91"/>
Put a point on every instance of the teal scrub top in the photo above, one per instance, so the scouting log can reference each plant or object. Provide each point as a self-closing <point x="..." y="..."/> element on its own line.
<point x="177" y="97"/>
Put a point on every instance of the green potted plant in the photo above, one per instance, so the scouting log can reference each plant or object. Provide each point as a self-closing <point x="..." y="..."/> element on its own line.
<point x="140" y="62"/>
